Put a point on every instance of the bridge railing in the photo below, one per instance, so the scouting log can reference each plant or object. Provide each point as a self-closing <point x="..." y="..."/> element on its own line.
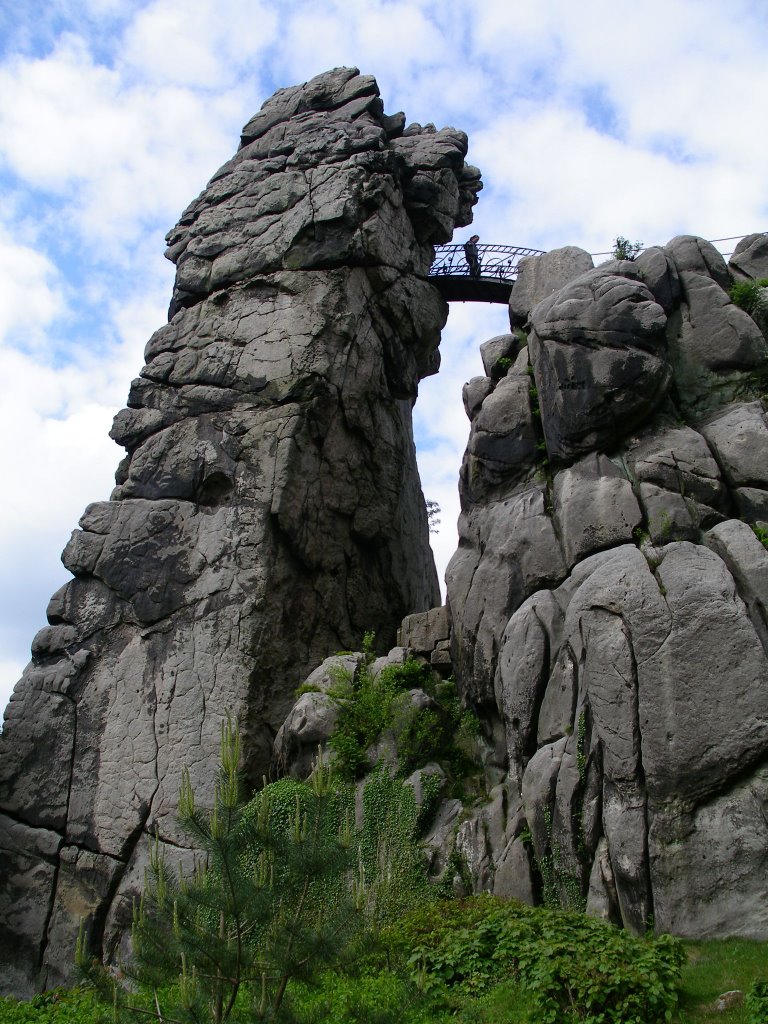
<point x="496" y="261"/>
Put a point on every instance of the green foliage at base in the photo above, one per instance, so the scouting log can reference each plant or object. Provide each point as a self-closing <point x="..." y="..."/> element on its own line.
<point x="57" y="1006"/>
<point x="747" y="295"/>
<point x="376" y="989"/>
<point x="573" y="967"/>
<point x="280" y="897"/>
<point x="756" y="1003"/>
<point x="288" y="889"/>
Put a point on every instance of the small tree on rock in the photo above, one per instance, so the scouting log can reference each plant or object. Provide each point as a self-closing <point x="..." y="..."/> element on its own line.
<point x="280" y="897"/>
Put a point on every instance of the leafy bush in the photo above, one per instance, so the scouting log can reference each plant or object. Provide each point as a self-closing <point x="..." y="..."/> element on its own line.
<point x="367" y="708"/>
<point x="372" y="703"/>
<point x="756" y="1003"/>
<point x="623" y="249"/>
<point x="748" y="295"/>
<point x="500" y="367"/>
<point x="574" y="967"/>
<point x="57" y="1006"/>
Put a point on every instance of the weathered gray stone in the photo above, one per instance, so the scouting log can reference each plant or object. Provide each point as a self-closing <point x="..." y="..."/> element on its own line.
<point x="598" y="355"/>
<point x="747" y="561"/>
<point x="717" y="349"/>
<point x="559" y="702"/>
<point x="751" y="504"/>
<point x="711" y="639"/>
<point x="474" y="393"/>
<point x="488" y="841"/>
<point x="503" y="346"/>
<point x="507" y="550"/>
<point x="338" y="670"/>
<point x="749" y="261"/>
<point x="397" y="656"/>
<point x="308" y="727"/>
<point x="439" y="840"/>
<point x="698" y="256"/>
<point x="708" y="866"/>
<point x="28" y="866"/>
<point x="538" y="791"/>
<point x="656" y="268"/>
<point x="523" y="668"/>
<point x="677" y="458"/>
<point x="503" y="431"/>
<point x="83" y="884"/>
<point x="634" y="695"/>
<point x="602" y="900"/>
<point x="503" y="439"/>
<point x="739" y="439"/>
<point x="539" y="276"/>
<point x="595" y="507"/>
<point x="423" y="631"/>
<point x="268" y="512"/>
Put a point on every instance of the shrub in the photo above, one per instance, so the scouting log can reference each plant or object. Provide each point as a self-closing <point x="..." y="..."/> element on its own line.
<point x="623" y="249"/>
<point x="756" y="1003"/>
<point x="57" y="1006"/>
<point x="371" y="704"/>
<point x="748" y="295"/>
<point x="500" y="367"/>
<point x="574" y="967"/>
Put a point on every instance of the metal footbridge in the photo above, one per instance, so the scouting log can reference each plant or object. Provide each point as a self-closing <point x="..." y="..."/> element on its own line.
<point x="450" y="272"/>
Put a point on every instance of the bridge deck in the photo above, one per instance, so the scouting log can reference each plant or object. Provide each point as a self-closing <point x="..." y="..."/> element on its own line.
<point x="462" y="288"/>
<point x="498" y="269"/>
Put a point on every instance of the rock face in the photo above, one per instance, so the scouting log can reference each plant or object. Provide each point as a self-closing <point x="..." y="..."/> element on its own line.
<point x="268" y="510"/>
<point x="609" y="594"/>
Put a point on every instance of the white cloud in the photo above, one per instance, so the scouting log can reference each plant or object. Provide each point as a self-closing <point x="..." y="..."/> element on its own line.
<point x="199" y="43"/>
<point x="29" y="292"/>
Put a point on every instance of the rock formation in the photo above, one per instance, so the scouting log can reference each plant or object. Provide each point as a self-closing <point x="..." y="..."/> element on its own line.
<point x="267" y="513"/>
<point x="609" y="595"/>
<point x="608" y="599"/>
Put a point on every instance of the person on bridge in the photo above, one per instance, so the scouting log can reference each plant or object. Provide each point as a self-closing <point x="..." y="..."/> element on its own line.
<point x="470" y="252"/>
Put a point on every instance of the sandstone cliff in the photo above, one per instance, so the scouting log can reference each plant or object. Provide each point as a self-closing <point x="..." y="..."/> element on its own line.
<point x="268" y="510"/>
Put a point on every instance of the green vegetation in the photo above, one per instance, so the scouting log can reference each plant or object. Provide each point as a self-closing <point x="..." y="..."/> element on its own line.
<point x="715" y="967"/>
<point x="500" y="367"/>
<point x="623" y="249"/>
<point x="761" y="532"/>
<point x="433" y="515"/>
<point x="280" y="897"/>
<point x="289" y="891"/>
<point x="570" y="967"/>
<point x="748" y="295"/>
<point x="378" y="706"/>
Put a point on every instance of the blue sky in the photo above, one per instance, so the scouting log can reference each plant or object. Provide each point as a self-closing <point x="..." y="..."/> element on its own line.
<point x="588" y="120"/>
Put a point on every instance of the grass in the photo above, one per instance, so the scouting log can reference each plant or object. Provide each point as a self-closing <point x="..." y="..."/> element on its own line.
<point x="715" y="967"/>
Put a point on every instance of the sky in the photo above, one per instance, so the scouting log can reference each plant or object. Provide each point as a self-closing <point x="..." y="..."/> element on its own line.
<point x="588" y="121"/>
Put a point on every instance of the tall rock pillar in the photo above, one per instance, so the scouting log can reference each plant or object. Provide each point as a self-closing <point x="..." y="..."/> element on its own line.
<point x="268" y="510"/>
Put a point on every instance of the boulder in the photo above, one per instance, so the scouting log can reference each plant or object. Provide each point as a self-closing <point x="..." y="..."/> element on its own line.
<point x="598" y="353"/>
<point x="539" y="276"/>
<point x="749" y="261"/>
